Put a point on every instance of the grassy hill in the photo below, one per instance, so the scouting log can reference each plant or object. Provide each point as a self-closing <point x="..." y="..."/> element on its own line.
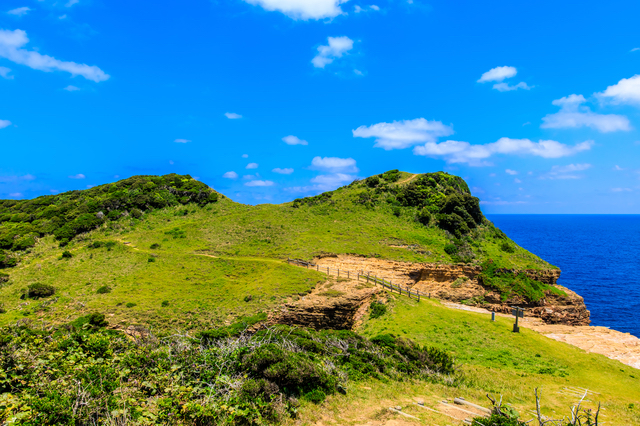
<point x="204" y="253"/>
<point x="173" y="256"/>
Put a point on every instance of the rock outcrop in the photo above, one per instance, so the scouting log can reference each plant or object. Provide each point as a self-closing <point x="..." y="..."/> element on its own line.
<point x="459" y="283"/>
<point x="336" y="305"/>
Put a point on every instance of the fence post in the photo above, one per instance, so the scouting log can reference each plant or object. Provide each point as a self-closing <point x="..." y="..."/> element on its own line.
<point x="317" y="267"/>
<point x="338" y="272"/>
<point x="418" y="296"/>
<point x="347" y="274"/>
<point x="328" y="271"/>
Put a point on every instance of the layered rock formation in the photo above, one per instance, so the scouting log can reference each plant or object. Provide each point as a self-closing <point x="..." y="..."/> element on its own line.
<point x="334" y="305"/>
<point x="459" y="283"/>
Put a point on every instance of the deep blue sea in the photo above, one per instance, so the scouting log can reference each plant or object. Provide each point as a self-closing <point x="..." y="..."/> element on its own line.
<point x="599" y="256"/>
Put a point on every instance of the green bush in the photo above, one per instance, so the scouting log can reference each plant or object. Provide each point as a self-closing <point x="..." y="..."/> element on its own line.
<point x="154" y="246"/>
<point x="372" y="181"/>
<point x="151" y="259"/>
<point x="4" y="278"/>
<point x="130" y="305"/>
<point x="508" y="283"/>
<point x="104" y="289"/>
<point x="3" y="310"/>
<point x="136" y="213"/>
<point x="67" y="254"/>
<point x="377" y="309"/>
<point x="451" y="249"/>
<point x="507" y="248"/>
<point x="38" y="290"/>
<point x="164" y="303"/>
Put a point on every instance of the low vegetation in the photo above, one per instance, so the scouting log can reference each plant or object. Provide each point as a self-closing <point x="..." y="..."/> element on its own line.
<point x="85" y="374"/>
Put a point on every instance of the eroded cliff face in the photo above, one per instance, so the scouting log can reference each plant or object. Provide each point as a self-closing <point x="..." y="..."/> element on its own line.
<point x="459" y="283"/>
<point x="336" y="304"/>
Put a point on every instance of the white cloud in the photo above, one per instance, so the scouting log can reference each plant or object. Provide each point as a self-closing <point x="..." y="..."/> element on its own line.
<point x="285" y="171"/>
<point x="71" y="3"/>
<point x="14" y="178"/>
<point x="251" y="177"/>
<point x="19" y="11"/>
<point x="294" y="140"/>
<point x="252" y="166"/>
<point x="635" y="49"/>
<point x="62" y="16"/>
<point x="573" y="115"/>
<point x="4" y="123"/>
<point x="230" y="175"/>
<point x="359" y="9"/>
<point x="566" y="172"/>
<point x="475" y="155"/>
<point x="182" y="140"/>
<point x="621" y="189"/>
<point x="11" y="48"/>
<point x="498" y="74"/>
<point x="302" y="9"/>
<point x="499" y="202"/>
<point x="505" y="87"/>
<point x="516" y="180"/>
<point x="511" y="172"/>
<point x="71" y="88"/>
<point x="626" y="91"/>
<point x="324" y="183"/>
<point x="78" y="176"/>
<point x="4" y="73"/>
<point x="334" y="164"/>
<point x="337" y="47"/>
<point x="15" y="194"/>
<point x="232" y="115"/>
<point x="403" y="134"/>
<point x="245" y="155"/>
<point x="259" y="183"/>
<point x="171" y="162"/>
<point x="617" y="168"/>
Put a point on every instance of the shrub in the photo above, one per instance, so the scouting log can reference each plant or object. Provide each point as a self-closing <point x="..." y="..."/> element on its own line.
<point x="372" y="181"/>
<point x="451" y="249"/>
<point x="154" y="246"/>
<point x="96" y="244"/>
<point x="424" y="217"/>
<point x="507" y="248"/>
<point x="104" y="289"/>
<point x="377" y="309"/>
<point x="4" y="278"/>
<point x="248" y="298"/>
<point x="2" y="309"/>
<point x="130" y="305"/>
<point x="391" y="175"/>
<point x="136" y="213"/>
<point x="67" y="254"/>
<point x="97" y="320"/>
<point x="37" y="290"/>
<point x="151" y="259"/>
<point x="164" y="303"/>
<point x="397" y="211"/>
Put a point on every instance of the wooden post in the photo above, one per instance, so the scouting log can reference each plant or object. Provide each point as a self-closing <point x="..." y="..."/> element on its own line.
<point x="328" y="271"/>
<point x="317" y="267"/>
<point x="347" y="274"/>
<point x="338" y="272"/>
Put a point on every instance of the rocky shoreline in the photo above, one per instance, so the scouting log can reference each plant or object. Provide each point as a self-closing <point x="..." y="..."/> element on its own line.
<point x="460" y="284"/>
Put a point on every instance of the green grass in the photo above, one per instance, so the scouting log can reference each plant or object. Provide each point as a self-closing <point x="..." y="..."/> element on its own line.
<point x="498" y="361"/>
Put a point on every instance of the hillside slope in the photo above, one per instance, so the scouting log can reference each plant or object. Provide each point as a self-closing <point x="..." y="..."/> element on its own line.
<point x="147" y="240"/>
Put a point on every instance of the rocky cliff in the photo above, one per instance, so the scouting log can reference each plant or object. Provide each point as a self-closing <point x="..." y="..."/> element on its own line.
<point x="459" y="283"/>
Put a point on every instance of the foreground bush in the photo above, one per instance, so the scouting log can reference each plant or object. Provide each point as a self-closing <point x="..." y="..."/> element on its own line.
<point x="85" y="374"/>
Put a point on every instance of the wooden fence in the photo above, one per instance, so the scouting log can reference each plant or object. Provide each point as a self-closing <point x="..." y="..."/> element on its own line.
<point x="359" y="275"/>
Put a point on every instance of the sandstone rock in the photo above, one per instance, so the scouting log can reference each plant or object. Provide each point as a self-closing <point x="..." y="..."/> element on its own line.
<point x="437" y="280"/>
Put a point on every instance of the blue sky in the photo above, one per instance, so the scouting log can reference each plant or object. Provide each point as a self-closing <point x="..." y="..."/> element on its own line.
<point x="535" y="104"/>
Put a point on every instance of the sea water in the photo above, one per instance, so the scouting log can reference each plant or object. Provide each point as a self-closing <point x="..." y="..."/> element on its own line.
<point x="599" y="256"/>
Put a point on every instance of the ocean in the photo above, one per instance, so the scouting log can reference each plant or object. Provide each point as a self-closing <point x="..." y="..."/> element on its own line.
<point x="599" y="256"/>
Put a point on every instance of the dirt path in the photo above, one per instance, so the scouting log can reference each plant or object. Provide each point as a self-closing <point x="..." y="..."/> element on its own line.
<point x="408" y="180"/>
<point x="601" y="340"/>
